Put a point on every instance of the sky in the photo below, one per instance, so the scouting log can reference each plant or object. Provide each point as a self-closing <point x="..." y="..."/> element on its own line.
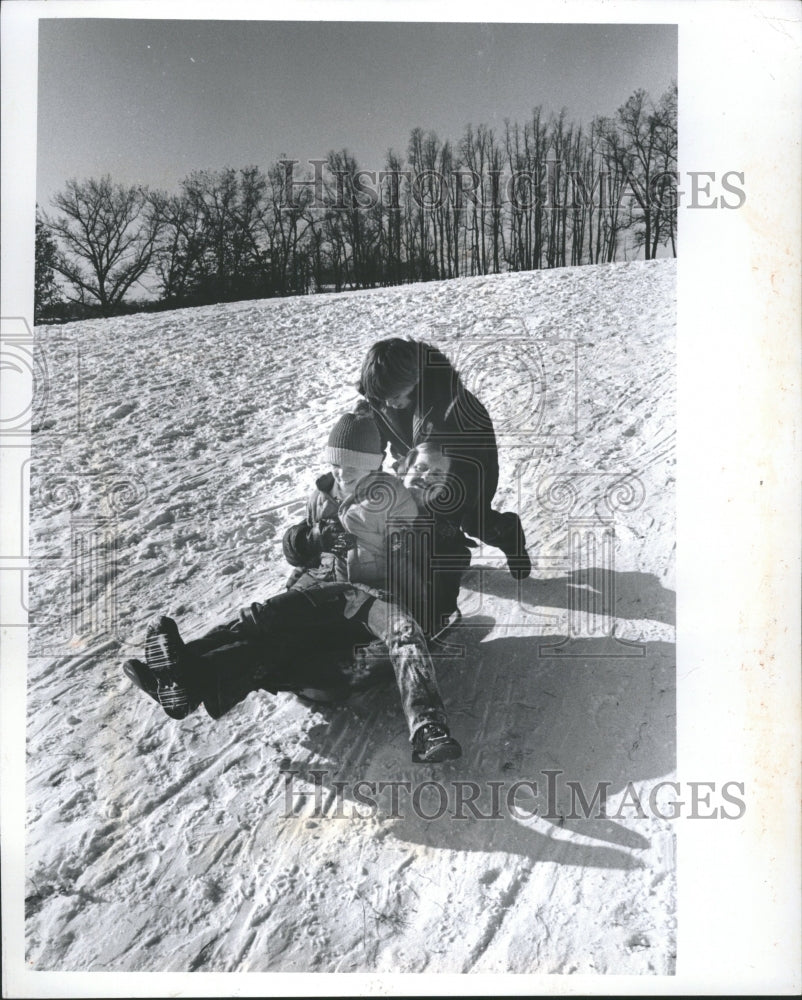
<point x="149" y="101"/>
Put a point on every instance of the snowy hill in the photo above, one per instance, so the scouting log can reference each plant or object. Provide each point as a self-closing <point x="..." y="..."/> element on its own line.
<point x="170" y="451"/>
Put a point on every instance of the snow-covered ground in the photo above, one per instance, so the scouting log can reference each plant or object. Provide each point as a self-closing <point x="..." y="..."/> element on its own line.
<point x="170" y="451"/>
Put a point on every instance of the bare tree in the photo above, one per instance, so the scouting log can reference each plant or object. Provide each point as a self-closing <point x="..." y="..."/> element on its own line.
<point x="665" y="192"/>
<point x="474" y="152"/>
<point x="294" y="249"/>
<point x="648" y="154"/>
<point x="495" y="156"/>
<point x="106" y="234"/>
<point x="212" y="197"/>
<point x="420" y="259"/>
<point x="391" y="195"/>
<point x="614" y="156"/>
<point x="180" y="245"/>
<point x="450" y="214"/>
<point x="45" y="291"/>
<point x="547" y="194"/>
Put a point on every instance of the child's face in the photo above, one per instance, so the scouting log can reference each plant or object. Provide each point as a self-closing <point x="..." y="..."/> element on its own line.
<point x="346" y="477"/>
<point x="427" y="475"/>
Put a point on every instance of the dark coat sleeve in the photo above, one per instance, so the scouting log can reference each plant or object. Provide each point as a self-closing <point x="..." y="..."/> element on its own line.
<point x="301" y="543"/>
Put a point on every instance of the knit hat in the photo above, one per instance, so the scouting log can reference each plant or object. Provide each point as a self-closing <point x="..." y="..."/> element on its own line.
<point x="355" y="441"/>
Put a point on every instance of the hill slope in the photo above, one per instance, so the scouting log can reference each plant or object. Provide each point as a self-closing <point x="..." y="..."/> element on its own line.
<point x="170" y="452"/>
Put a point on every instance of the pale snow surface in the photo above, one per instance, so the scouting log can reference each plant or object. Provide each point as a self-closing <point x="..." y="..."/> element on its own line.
<point x="170" y="452"/>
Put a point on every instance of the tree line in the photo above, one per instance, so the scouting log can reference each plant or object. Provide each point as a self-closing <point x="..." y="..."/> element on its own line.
<point x="545" y="193"/>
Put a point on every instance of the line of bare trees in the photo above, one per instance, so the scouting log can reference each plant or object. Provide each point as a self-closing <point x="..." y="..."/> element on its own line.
<point x="547" y="193"/>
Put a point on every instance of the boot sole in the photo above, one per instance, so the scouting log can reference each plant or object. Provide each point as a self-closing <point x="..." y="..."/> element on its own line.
<point x="449" y="750"/>
<point x="137" y="672"/>
<point x="162" y="660"/>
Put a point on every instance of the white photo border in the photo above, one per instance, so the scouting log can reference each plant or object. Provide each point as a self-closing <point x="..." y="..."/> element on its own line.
<point x="738" y="579"/>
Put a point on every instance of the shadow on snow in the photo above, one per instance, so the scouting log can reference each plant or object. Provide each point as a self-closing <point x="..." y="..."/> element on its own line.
<point x="589" y="711"/>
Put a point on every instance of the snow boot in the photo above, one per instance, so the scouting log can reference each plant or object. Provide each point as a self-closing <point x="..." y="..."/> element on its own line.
<point x="433" y="743"/>
<point x="139" y="674"/>
<point x="164" y="652"/>
<point x="510" y="538"/>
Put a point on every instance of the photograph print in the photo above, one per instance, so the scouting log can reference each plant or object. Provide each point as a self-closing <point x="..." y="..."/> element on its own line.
<point x="352" y="499"/>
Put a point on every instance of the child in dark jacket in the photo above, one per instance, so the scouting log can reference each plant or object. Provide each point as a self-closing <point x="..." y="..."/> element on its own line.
<point x="417" y="396"/>
<point x="347" y="548"/>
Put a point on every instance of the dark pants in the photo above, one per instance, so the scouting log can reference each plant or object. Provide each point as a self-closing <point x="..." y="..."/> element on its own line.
<point x="291" y="641"/>
<point x="476" y="478"/>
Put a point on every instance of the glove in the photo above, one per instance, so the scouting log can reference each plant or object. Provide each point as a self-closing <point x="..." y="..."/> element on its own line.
<point x="334" y="538"/>
<point x="300" y="546"/>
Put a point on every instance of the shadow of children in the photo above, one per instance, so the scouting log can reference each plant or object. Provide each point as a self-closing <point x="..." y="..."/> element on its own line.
<point x="627" y="595"/>
<point x="548" y="740"/>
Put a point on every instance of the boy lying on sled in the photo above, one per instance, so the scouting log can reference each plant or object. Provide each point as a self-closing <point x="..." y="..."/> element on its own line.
<point x="366" y="561"/>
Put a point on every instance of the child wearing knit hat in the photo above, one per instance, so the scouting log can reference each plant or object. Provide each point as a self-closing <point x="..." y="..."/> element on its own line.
<point x="353" y="449"/>
<point x="346" y="537"/>
<point x="344" y="534"/>
<point x="340" y="595"/>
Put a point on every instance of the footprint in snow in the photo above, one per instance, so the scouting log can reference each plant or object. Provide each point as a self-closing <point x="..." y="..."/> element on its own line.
<point x="123" y="410"/>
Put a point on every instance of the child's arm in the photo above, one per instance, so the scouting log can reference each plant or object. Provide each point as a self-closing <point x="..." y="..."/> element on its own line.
<point x="304" y="544"/>
<point x="301" y="542"/>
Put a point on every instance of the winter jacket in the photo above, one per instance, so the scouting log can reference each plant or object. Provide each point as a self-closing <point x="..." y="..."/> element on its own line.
<point x="426" y="563"/>
<point x="380" y="503"/>
<point x="442" y="555"/>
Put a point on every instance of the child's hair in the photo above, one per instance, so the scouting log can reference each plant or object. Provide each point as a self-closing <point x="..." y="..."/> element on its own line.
<point x="411" y="456"/>
<point x="393" y="365"/>
<point x="389" y="367"/>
